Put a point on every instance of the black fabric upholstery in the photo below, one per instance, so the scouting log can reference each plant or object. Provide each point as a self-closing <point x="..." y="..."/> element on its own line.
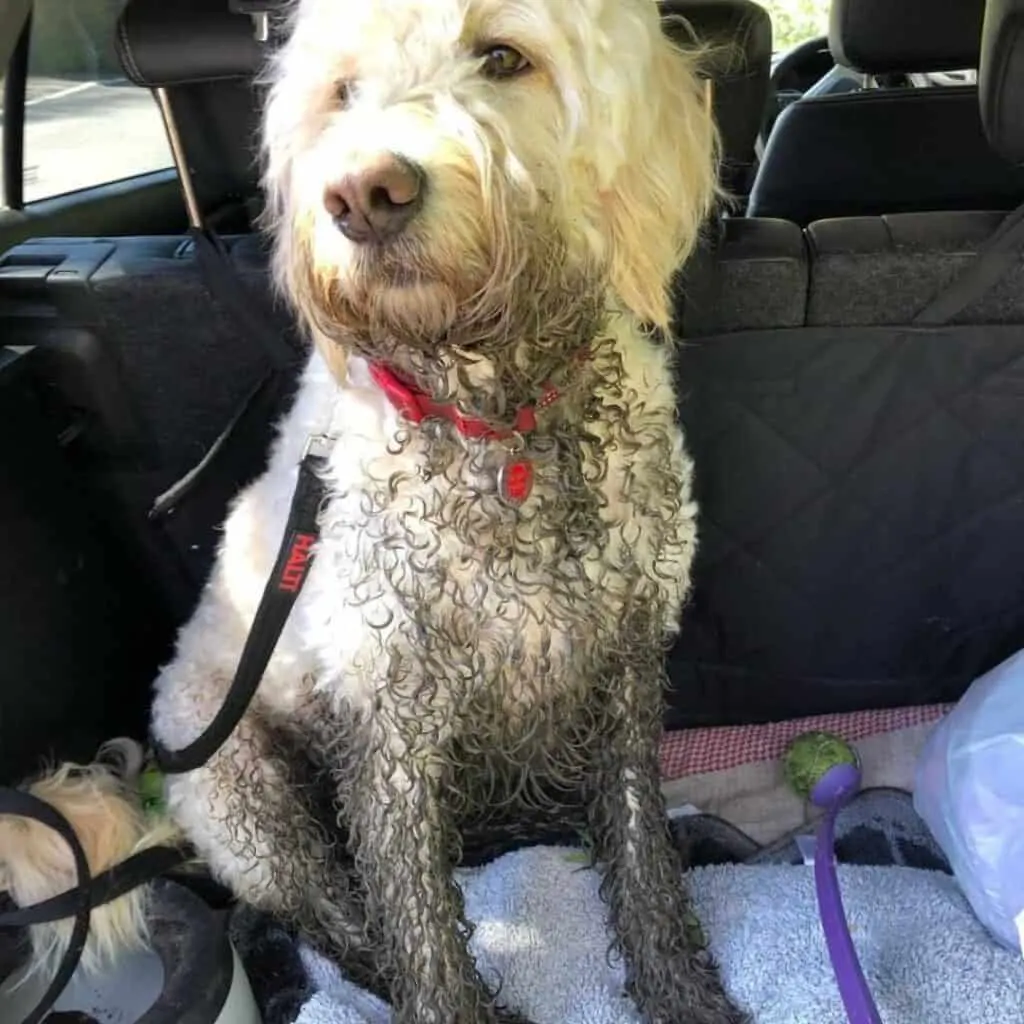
<point x="83" y="629"/>
<point x="179" y="355"/>
<point x="860" y="480"/>
<point x="862" y="518"/>
<point x="740" y="35"/>
<point x="1001" y="78"/>
<point x="163" y="44"/>
<point x="882" y="151"/>
<point x="879" y="36"/>
<point x="882" y="270"/>
<point x="153" y="366"/>
<point x="753" y="274"/>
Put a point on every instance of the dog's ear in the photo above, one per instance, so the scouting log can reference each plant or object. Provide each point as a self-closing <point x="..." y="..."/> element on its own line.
<point x="665" y="189"/>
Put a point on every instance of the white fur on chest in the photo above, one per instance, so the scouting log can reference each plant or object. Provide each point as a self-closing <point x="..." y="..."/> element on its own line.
<point x="364" y="605"/>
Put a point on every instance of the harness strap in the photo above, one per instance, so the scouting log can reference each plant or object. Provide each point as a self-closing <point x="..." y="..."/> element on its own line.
<point x="115" y="882"/>
<point x="25" y="805"/>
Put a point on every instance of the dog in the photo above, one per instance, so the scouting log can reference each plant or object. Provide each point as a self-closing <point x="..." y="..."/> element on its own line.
<point x="477" y="207"/>
<point x="100" y="802"/>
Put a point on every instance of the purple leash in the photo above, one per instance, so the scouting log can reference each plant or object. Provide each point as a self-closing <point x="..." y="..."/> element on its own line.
<point x="831" y="793"/>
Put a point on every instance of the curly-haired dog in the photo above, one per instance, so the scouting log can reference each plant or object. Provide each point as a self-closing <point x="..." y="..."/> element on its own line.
<point x="477" y="206"/>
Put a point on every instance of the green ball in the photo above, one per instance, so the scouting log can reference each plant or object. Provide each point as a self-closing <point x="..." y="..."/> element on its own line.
<point x="812" y="754"/>
<point x="151" y="790"/>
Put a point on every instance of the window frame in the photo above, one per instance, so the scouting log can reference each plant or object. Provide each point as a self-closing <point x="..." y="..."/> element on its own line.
<point x="13" y="141"/>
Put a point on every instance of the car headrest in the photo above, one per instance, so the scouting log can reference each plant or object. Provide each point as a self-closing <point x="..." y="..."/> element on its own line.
<point x="738" y="35"/>
<point x="1001" y="78"/>
<point x="185" y="42"/>
<point x="882" y="36"/>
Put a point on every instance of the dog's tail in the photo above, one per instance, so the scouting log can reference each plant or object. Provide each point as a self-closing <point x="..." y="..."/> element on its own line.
<point x="102" y="805"/>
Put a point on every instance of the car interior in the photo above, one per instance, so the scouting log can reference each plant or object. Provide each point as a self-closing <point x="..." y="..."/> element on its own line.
<point x="856" y="470"/>
<point x="850" y="358"/>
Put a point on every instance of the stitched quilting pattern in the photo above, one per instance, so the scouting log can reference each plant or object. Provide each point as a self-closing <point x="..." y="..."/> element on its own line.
<point x="862" y="518"/>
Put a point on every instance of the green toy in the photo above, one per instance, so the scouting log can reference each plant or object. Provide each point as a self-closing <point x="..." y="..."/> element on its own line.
<point x="151" y="789"/>
<point x="811" y="755"/>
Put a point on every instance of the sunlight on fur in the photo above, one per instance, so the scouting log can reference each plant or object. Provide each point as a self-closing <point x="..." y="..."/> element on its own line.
<point x="36" y="863"/>
<point x="601" y="160"/>
<point x="486" y="202"/>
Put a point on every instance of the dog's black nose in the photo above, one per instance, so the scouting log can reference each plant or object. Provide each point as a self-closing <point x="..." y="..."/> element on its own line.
<point x="377" y="202"/>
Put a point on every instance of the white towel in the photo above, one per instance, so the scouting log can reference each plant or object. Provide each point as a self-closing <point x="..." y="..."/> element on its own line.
<point x="541" y="927"/>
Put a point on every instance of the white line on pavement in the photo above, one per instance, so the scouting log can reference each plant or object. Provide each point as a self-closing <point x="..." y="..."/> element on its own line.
<point x="61" y="93"/>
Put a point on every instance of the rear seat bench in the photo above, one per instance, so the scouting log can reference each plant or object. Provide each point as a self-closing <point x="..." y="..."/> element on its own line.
<point x="860" y="475"/>
<point x="882" y="270"/>
<point x="750" y="273"/>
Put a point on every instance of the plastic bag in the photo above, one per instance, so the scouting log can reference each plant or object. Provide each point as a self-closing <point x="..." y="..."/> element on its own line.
<point x="969" y="790"/>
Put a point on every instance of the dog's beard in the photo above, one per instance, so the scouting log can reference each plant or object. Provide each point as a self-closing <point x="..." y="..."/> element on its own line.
<point x="526" y="306"/>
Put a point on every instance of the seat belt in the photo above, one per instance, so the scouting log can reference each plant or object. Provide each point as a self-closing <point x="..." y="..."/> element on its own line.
<point x="996" y="257"/>
<point x="249" y="312"/>
<point x="234" y="457"/>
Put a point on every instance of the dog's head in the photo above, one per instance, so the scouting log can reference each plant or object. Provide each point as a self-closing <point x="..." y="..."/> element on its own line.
<point x="466" y="171"/>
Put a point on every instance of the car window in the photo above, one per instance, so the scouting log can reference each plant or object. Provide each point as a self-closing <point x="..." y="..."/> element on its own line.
<point x="795" y="21"/>
<point x="3" y="89"/>
<point x="85" y="124"/>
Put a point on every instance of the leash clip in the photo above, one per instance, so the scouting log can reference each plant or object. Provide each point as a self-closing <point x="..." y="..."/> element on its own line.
<point x="318" y="446"/>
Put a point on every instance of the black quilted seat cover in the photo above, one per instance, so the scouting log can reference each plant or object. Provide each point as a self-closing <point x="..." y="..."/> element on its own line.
<point x="862" y="526"/>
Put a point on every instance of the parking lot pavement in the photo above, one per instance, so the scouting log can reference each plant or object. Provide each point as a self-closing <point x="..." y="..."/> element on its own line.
<point x="81" y="133"/>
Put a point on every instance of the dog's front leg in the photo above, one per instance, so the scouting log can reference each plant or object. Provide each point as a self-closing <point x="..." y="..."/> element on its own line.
<point x="248" y="819"/>
<point x="404" y="843"/>
<point x="672" y="978"/>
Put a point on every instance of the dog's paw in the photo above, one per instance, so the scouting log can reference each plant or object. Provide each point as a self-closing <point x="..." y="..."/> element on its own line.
<point x="506" y="1016"/>
<point x="708" y="1006"/>
<point x="727" y="1013"/>
<point x="687" y="989"/>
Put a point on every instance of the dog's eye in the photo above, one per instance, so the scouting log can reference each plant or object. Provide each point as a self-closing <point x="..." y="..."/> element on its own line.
<point x="503" y="62"/>
<point x="343" y="93"/>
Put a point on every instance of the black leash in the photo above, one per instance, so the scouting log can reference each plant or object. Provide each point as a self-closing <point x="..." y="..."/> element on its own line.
<point x="294" y="559"/>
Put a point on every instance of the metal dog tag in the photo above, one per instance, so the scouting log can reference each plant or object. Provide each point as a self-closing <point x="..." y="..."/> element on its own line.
<point x="515" y="481"/>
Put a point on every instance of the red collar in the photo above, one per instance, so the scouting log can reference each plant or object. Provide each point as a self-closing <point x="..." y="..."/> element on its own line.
<point x="417" y="406"/>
